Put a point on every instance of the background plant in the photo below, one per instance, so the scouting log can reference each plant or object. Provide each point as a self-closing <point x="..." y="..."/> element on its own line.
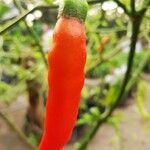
<point x="125" y="25"/>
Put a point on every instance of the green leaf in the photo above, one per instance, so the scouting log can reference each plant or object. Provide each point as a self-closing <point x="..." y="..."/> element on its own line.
<point x="48" y="1"/>
<point x="111" y="95"/>
<point x="141" y="96"/>
<point x="3" y="8"/>
<point x="95" y="112"/>
<point x="90" y="117"/>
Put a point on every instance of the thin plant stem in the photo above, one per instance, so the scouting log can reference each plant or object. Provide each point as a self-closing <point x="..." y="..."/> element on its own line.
<point x="136" y="22"/>
<point x="20" y="134"/>
<point x="33" y="34"/>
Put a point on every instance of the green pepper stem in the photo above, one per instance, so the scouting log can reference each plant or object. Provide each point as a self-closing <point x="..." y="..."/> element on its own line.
<point x="74" y="8"/>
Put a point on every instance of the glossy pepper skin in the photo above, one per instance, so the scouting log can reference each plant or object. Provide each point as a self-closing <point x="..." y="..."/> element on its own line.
<point x="66" y="60"/>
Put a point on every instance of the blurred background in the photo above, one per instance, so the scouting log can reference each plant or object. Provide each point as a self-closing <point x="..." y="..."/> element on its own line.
<point x="115" y="103"/>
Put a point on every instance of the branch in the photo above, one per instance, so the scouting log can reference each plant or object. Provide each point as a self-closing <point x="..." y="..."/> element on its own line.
<point x="16" y="21"/>
<point x="135" y="31"/>
<point x="145" y="7"/>
<point x="40" y="7"/>
<point x="19" y="132"/>
<point x="103" y="60"/>
<point x="37" y="41"/>
<point x="7" y="19"/>
<point x="33" y="34"/>
<point x="104" y="117"/>
<point x="132" y="4"/>
<point x="120" y="4"/>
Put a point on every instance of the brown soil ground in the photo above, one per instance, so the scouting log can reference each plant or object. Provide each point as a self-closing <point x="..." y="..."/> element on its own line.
<point x="134" y="131"/>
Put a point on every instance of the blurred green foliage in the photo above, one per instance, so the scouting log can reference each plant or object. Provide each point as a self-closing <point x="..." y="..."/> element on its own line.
<point x="141" y="98"/>
<point x="18" y="44"/>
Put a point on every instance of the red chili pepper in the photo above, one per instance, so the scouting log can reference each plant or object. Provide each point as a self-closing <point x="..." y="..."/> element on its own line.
<point x="66" y="59"/>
